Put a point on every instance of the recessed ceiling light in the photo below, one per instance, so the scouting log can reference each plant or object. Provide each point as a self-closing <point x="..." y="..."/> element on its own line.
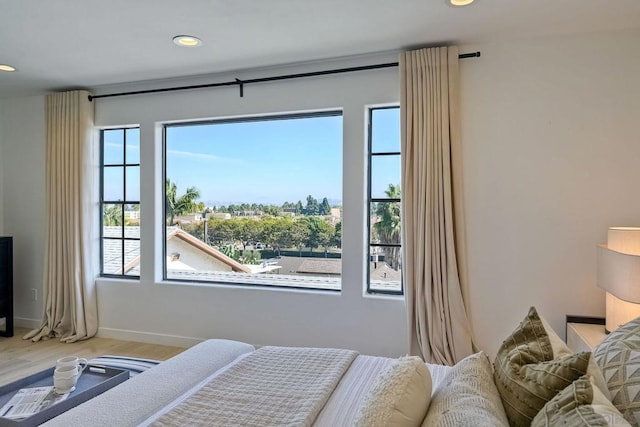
<point x="187" y="41"/>
<point x="4" y="67"/>
<point x="460" y="2"/>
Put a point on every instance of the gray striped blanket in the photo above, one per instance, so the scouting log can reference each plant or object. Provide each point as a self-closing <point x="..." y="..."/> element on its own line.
<point x="273" y="386"/>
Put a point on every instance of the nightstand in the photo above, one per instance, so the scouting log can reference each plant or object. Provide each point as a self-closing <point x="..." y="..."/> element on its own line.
<point x="584" y="336"/>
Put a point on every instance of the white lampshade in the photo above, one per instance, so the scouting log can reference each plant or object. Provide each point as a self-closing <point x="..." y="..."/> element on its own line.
<point x="619" y="275"/>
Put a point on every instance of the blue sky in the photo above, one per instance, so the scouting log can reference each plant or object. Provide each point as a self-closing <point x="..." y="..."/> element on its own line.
<point x="265" y="162"/>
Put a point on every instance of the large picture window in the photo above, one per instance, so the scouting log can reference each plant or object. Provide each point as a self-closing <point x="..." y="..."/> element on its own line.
<point x="255" y="201"/>
<point x="120" y="202"/>
<point x="385" y="247"/>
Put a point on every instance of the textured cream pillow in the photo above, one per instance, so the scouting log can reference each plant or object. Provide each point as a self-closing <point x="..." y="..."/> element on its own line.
<point x="399" y="397"/>
<point x="467" y="397"/>
<point x="580" y="404"/>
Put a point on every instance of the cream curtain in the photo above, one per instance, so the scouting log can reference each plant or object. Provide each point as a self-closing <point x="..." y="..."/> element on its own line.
<point x="70" y="311"/>
<point x="432" y="214"/>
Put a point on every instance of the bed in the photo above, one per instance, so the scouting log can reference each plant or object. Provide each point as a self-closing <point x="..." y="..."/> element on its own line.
<point x="223" y="382"/>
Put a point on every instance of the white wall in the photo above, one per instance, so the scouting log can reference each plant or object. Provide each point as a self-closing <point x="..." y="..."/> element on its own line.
<point x="261" y="316"/>
<point x="550" y="156"/>
<point x="551" y="153"/>
<point x="23" y="154"/>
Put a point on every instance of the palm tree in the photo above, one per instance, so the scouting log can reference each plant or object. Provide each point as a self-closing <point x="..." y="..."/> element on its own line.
<point x="176" y="206"/>
<point x="112" y="215"/>
<point x="388" y="226"/>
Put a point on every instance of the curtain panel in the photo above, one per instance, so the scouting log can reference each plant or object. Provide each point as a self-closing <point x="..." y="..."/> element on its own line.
<point x="434" y="264"/>
<point x="70" y="311"/>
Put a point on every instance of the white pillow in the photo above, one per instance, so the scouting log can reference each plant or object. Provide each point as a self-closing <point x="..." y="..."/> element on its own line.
<point x="400" y="396"/>
<point x="467" y="396"/>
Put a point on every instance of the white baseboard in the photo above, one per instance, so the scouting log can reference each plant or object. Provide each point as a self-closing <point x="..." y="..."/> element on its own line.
<point x="148" y="337"/>
<point x="123" y="334"/>
<point x="24" y="322"/>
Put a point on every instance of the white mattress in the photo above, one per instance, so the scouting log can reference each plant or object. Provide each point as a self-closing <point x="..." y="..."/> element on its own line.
<point x="344" y="403"/>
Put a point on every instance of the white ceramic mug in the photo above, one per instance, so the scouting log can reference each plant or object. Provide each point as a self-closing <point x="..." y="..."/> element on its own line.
<point x="79" y="363"/>
<point x="65" y="378"/>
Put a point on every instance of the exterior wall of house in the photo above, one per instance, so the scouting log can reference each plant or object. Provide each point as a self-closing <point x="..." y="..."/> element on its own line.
<point x="194" y="257"/>
<point x="550" y="151"/>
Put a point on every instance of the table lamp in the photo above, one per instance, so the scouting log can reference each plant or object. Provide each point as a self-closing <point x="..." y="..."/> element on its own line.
<point x="619" y="275"/>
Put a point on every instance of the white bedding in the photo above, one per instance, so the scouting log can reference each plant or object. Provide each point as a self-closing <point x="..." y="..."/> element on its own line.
<point x="273" y="386"/>
<point x="141" y="400"/>
<point x="343" y="405"/>
<point x="133" y="401"/>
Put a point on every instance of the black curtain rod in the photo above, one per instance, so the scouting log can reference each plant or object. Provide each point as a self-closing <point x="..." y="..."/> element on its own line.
<point x="241" y="83"/>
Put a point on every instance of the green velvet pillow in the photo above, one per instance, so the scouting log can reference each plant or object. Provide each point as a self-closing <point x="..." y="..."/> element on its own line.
<point x="526" y="374"/>
<point x="580" y="404"/>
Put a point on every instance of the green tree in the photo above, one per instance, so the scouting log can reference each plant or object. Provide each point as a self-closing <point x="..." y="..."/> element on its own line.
<point x="248" y="231"/>
<point x="337" y="236"/>
<point x="179" y="205"/>
<point x="387" y="227"/>
<point x="312" y="207"/>
<point x="320" y="233"/>
<point x="298" y="234"/>
<point x="272" y="210"/>
<point x="276" y="232"/>
<point x="231" y="252"/>
<point x="325" y="207"/>
<point x="299" y="207"/>
<point x="112" y="215"/>
<point x="251" y="257"/>
<point x="221" y="231"/>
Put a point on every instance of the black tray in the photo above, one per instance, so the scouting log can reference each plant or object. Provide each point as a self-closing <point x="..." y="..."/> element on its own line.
<point x="90" y="384"/>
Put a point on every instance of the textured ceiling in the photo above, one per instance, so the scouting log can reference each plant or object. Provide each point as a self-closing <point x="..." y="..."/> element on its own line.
<point x="88" y="43"/>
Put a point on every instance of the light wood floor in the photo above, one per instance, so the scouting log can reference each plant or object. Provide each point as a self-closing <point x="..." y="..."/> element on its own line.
<point x="19" y="358"/>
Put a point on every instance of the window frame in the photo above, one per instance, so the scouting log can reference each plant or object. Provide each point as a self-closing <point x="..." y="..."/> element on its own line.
<point x="334" y="112"/>
<point x="121" y="203"/>
<point x="370" y="200"/>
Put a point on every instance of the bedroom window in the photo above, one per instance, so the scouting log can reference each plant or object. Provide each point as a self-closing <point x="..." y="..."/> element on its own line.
<point x="255" y="201"/>
<point x="120" y="202"/>
<point x="385" y="247"/>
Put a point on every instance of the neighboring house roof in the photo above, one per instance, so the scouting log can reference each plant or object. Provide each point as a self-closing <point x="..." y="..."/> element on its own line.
<point x="320" y="266"/>
<point x="213" y="252"/>
<point x="379" y="272"/>
<point x="112" y="250"/>
<point x="293" y="271"/>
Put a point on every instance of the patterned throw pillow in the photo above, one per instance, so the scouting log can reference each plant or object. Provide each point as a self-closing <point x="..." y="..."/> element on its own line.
<point x="526" y="373"/>
<point x="467" y="396"/>
<point x="618" y="356"/>
<point x="561" y="349"/>
<point x="580" y="404"/>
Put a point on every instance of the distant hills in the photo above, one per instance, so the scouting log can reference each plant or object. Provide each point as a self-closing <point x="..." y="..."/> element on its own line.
<point x="332" y="202"/>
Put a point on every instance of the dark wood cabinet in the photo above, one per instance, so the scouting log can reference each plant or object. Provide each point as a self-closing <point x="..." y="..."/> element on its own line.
<point x="6" y="286"/>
